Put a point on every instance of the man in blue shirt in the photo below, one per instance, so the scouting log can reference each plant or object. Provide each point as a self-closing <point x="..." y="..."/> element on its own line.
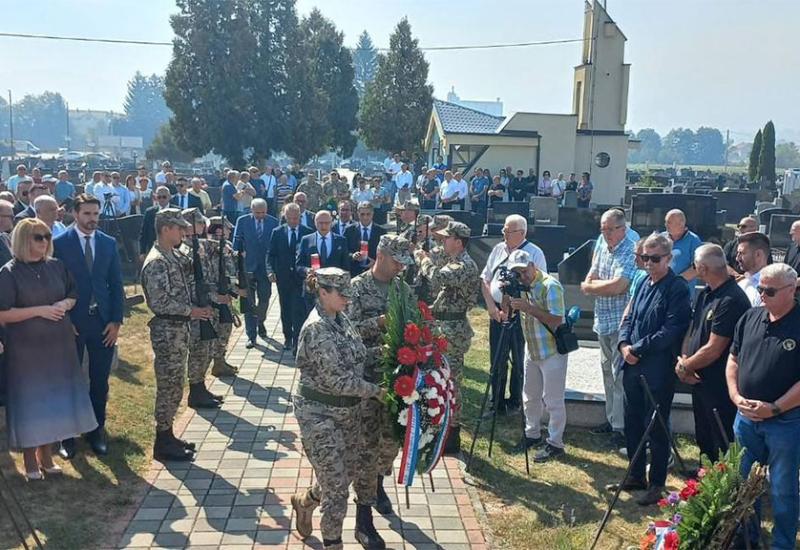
<point x="64" y="189"/>
<point x="477" y="192"/>
<point x="684" y="243"/>
<point x="230" y="204"/>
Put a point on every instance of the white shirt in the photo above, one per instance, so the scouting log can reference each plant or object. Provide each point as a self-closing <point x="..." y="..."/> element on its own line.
<point x="387" y="164"/>
<point x="748" y="283"/>
<point x="499" y="255"/>
<point x="367" y="195"/>
<point x="361" y="229"/>
<point x="83" y="236"/>
<point x="269" y="182"/>
<point x="558" y="187"/>
<point x="100" y="190"/>
<point x="394" y="169"/>
<point x="463" y="188"/>
<point x="404" y="179"/>
<point x="453" y="188"/>
<point x="125" y="198"/>
<point x="161" y="177"/>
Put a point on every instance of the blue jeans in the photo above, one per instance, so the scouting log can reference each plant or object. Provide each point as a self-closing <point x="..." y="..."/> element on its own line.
<point x="774" y="442"/>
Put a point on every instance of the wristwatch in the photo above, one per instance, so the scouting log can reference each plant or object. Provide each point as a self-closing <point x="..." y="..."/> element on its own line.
<point x="776" y="410"/>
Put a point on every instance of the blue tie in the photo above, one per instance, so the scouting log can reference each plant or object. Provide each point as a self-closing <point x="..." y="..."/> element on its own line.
<point x="323" y="248"/>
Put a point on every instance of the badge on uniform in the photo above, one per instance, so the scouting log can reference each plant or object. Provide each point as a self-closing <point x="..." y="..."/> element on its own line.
<point x="710" y="315"/>
<point x="789" y="344"/>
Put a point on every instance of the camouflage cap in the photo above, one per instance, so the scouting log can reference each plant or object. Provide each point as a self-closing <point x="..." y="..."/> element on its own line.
<point x="424" y="219"/>
<point x="170" y="216"/>
<point x="440" y="221"/>
<point x="455" y="229"/>
<point x="409" y="204"/>
<point x="333" y="277"/>
<point x="219" y="220"/>
<point x="398" y="247"/>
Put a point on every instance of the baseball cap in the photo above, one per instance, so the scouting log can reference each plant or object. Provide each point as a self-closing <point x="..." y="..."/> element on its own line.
<point x="518" y="258"/>
<point x="398" y="247"/>
<point x="455" y="229"/>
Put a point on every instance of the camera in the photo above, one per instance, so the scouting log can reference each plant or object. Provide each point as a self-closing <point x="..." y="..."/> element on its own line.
<point x="511" y="283"/>
<point x="107" y="196"/>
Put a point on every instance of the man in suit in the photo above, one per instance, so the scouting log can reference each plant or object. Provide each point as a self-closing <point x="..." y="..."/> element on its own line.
<point x="148" y="234"/>
<point x="183" y="199"/>
<point x="331" y="249"/>
<point x="280" y="266"/>
<point x="345" y="218"/>
<point x="306" y="217"/>
<point x="252" y="235"/>
<point x="364" y="230"/>
<point x="91" y="257"/>
<point x="35" y="191"/>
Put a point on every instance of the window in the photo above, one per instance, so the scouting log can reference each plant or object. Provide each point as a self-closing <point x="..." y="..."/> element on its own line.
<point x="602" y="159"/>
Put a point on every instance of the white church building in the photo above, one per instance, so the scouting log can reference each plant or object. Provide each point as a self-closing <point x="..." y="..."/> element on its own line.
<point x="590" y="139"/>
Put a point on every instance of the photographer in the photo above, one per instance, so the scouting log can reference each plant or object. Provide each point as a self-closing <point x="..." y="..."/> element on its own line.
<point x="514" y="231"/>
<point x="540" y="298"/>
<point x="106" y="194"/>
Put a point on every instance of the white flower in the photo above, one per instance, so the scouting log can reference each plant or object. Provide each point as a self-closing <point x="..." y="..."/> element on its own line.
<point x="425" y="439"/>
<point x="434" y="411"/>
<point x="402" y="418"/>
<point x="411" y="398"/>
<point x="431" y="393"/>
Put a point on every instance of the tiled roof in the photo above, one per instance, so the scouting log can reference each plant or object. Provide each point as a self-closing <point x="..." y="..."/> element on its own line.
<point x="457" y="119"/>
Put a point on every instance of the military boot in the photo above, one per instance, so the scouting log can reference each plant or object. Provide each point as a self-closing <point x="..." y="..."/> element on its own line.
<point x="201" y="398"/>
<point x="328" y="544"/>
<point x="223" y="368"/>
<point x="168" y="448"/>
<point x="366" y="534"/>
<point x="383" y="504"/>
<point x="453" y="445"/>
<point x="304" y="504"/>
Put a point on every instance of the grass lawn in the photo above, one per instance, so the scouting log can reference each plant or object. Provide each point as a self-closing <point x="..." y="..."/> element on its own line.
<point x="78" y="510"/>
<point x="561" y="503"/>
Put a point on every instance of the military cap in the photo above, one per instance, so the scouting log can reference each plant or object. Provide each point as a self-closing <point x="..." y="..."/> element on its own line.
<point x="409" y="204"/>
<point x="335" y="278"/>
<point x="440" y="221"/>
<point x="424" y="219"/>
<point x="455" y="229"/>
<point x="365" y="205"/>
<point x="219" y="220"/>
<point x="519" y="258"/>
<point x="170" y="216"/>
<point x="193" y="215"/>
<point x="398" y="247"/>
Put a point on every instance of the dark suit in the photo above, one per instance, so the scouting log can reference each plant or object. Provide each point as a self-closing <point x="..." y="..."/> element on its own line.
<point x="280" y="262"/>
<point x="338" y="228"/>
<point x="338" y="256"/>
<point x="354" y="235"/>
<point x="307" y="219"/>
<point x="101" y="300"/>
<point x="25" y="212"/>
<point x="256" y="248"/>
<point x="19" y="207"/>
<point x="192" y="201"/>
<point x="148" y="234"/>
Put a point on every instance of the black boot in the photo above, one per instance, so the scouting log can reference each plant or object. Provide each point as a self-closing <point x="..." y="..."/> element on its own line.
<point x="453" y="445"/>
<point x="383" y="505"/>
<point x="167" y="448"/>
<point x="201" y="398"/>
<point x="335" y="544"/>
<point x="366" y="534"/>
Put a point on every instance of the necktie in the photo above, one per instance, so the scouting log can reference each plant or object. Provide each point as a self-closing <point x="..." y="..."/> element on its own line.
<point x="87" y="252"/>
<point x="365" y="235"/>
<point x="293" y="241"/>
<point x="323" y="248"/>
<point x="260" y="229"/>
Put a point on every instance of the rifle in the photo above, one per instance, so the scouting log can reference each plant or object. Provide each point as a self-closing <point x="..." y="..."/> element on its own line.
<point x="223" y="289"/>
<point x="242" y="283"/>
<point x="207" y="331"/>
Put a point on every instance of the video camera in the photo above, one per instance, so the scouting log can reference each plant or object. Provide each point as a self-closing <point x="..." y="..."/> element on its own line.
<point x="511" y="283"/>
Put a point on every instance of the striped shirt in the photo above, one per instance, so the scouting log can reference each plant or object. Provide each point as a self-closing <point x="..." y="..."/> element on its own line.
<point x="547" y="293"/>
<point x="609" y="264"/>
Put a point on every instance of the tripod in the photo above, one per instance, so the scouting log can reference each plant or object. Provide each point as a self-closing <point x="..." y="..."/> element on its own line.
<point x="493" y="369"/>
<point x="9" y="503"/>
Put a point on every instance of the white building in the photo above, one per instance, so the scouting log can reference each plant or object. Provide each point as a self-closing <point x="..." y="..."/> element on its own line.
<point x="590" y="139"/>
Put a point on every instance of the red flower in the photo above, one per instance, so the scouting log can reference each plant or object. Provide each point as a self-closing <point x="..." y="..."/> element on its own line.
<point x="663" y="503"/>
<point x="404" y="386"/>
<point x="437" y="419"/>
<point x="433" y="403"/>
<point x="441" y="344"/>
<point x="427" y="335"/>
<point x="425" y="311"/>
<point x="647" y="541"/>
<point x="411" y="334"/>
<point x="437" y="358"/>
<point x="422" y="356"/>
<point x="689" y="490"/>
<point x="407" y="356"/>
<point x="429" y="381"/>
<point x="721" y="467"/>
<point x="671" y="540"/>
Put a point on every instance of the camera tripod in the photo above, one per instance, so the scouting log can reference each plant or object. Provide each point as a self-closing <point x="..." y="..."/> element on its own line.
<point x="499" y="391"/>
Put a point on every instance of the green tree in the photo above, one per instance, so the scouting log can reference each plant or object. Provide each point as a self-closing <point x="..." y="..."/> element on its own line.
<point x="766" y="160"/>
<point x="365" y="63"/>
<point x="787" y="155"/>
<point x="755" y="155"/>
<point x="678" y="146"/>
<point x="41" y="119"/>
<point x="710" y="146"/>
<point x="398" y="101"/>
<point x="165" y="147"/>
<point x="649" y="148"/>
<point x="145" y="108"/>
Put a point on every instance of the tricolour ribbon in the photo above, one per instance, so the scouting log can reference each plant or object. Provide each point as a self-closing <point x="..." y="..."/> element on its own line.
<point x="441" y="438"/>
<point x="408" y="462"/>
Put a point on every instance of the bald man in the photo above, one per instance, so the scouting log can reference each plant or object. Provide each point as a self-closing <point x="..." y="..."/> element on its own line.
<point x="684" y="243"/>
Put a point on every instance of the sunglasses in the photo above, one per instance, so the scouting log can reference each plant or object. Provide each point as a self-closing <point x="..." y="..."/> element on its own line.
<point x="770" y="291"/>
<point x="24" y="193"/>
<point x="655" y="258"/>
<point x="39" y="237"/>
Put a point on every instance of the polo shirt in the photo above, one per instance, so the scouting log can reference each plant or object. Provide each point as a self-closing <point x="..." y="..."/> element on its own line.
<point x="683" y="255"/>
<point x="768" y="353"/>
<point x="716" y="311"/>
<point x="63" y="191"/>
<point x="610" y="264"/>
<point x="547" y="293"/>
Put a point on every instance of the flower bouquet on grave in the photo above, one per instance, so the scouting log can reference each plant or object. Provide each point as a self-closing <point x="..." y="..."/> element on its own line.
<point x="707" y="511"/>
<point x="416" y="376"/>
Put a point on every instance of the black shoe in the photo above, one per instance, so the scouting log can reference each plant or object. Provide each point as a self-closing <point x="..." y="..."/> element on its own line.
<point x="366" y="534"/>
<point x="262" y="331"/>
<point x="652" y="496"/>
<point x="383" y="504"/>
<point x="98" y="441"/>
<point x="453" y="444"/>
<point x="287" y="346"/>
<point x="67" y="449"/>
<point x="547" y="452"/>
<point x="602" y="429"/>
<point x="250" y="344"/>
<point x="527" y="443"/>
<point x="501" y="411"/>
<point x="617" y="439"/>
<point x="201" y="398"/>
<point x="628" y="486"/>
<point x="168" y="448"/>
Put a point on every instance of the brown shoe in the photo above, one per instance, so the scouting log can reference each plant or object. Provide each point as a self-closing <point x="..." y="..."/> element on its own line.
<point x="223" y="368"/>
<point x="304" y="504"/>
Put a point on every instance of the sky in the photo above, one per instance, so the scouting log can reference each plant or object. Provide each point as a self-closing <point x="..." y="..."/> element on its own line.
<point x="730" y="64"/>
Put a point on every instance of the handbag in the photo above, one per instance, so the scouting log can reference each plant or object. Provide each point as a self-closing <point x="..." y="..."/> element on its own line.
<point x="566" y="341"/>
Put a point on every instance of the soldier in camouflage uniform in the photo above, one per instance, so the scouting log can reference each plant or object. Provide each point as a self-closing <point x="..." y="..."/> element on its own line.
<point x="313" y="192"/>
<point x="327" y="404"/>
<point x="166" y="285"/>
<point x="220" y="228"/>
<point x="367" y="312"/>
<point x="457" y="283"/>
<point x="424" y="287"/>
<point x="335" y="190"/>
<point x="407" y="213"/>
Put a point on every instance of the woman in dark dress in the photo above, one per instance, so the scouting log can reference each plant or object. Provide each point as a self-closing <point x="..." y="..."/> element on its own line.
<point x="47" y="397"/>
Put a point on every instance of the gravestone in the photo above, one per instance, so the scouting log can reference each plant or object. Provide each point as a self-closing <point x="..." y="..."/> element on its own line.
<point x="571" y="199"/>
<point x="553" y="241"/>
<point x="571" y="273"/>
<point x="761" y="206"/>
<point x="501" y="210"/>
<point x="472" y="220"/>
<point x="545" y="210"/>
<point x="737" y="204"/>
<point x="649" y="210"/>
<point x="766" y="215"/>
<point x="779" y="226"/>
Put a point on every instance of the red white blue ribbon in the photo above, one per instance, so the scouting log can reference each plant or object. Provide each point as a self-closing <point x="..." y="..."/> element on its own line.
<point x="408" y="462"/>
<point x="441" y="438"/>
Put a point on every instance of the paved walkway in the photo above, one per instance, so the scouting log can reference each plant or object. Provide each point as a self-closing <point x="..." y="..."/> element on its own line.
<point x="250" y="461"/>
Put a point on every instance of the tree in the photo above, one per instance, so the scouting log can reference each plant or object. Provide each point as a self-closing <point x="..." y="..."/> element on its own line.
<point x="398" y="101"/>
<point x="145" y="108"/>
<point x="787" y="155"/>
<point x="41" y="119"/>
<point x="165" y="147"/>
<point x="678" y="146"/>
<point x="755" y="155"/>
<point x="710" y="147"/>
<point x="766" y="160"/>
<point x="365" y="63"/>
<point x="649" y="148"/>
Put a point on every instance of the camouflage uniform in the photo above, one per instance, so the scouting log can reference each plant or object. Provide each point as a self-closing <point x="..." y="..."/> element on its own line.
<point x="456" y="283"/>
<point x="167" y="290"/>
<point x="313" y="193"/>
<point x="200" y="350"/>
<point x="220" y="345"/>
<point x="330" y="357"/>
<point x="336" y="190"/>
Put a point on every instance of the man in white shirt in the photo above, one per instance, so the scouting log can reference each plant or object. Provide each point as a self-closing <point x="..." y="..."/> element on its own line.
<point x="13" y="181"/>
<point x="97" y="177"/>
<point x="515" y="230"/>
<point x="395" y="167"/>
<point x="123" y="207"/>
<point x="106" y="194"/>
<point x="752" y="253"/>
<point x="270" y="184"/>
<point x="403" y="181"/>
<point x="387" y="164"/>
<point x="453" y="191"/>
<point x="161" y="177"/>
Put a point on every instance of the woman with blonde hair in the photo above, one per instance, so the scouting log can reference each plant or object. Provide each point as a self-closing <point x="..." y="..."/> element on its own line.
<point x="47" y="398"/>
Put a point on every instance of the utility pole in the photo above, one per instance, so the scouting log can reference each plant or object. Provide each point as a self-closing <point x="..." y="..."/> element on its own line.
<point x="11" y="125"/>
<point x="727" y="146"/>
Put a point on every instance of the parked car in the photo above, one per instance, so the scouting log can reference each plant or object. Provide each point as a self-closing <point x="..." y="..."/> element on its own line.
<point x="69" y="156"/>
<point x="25" y="147"/>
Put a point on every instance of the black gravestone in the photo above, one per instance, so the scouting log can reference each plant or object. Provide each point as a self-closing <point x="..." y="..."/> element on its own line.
<point x="766" y="215"/>
<point x="779" y="226"/>
<point x="552" y="239"/>
<point x="648" y="212"/>
<point x="470" y="219"/>
<point x="499" y="211"/>
<point x="581" y="224"/>
<point x="572" y="270"/>
<point x="737" y="204"/>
